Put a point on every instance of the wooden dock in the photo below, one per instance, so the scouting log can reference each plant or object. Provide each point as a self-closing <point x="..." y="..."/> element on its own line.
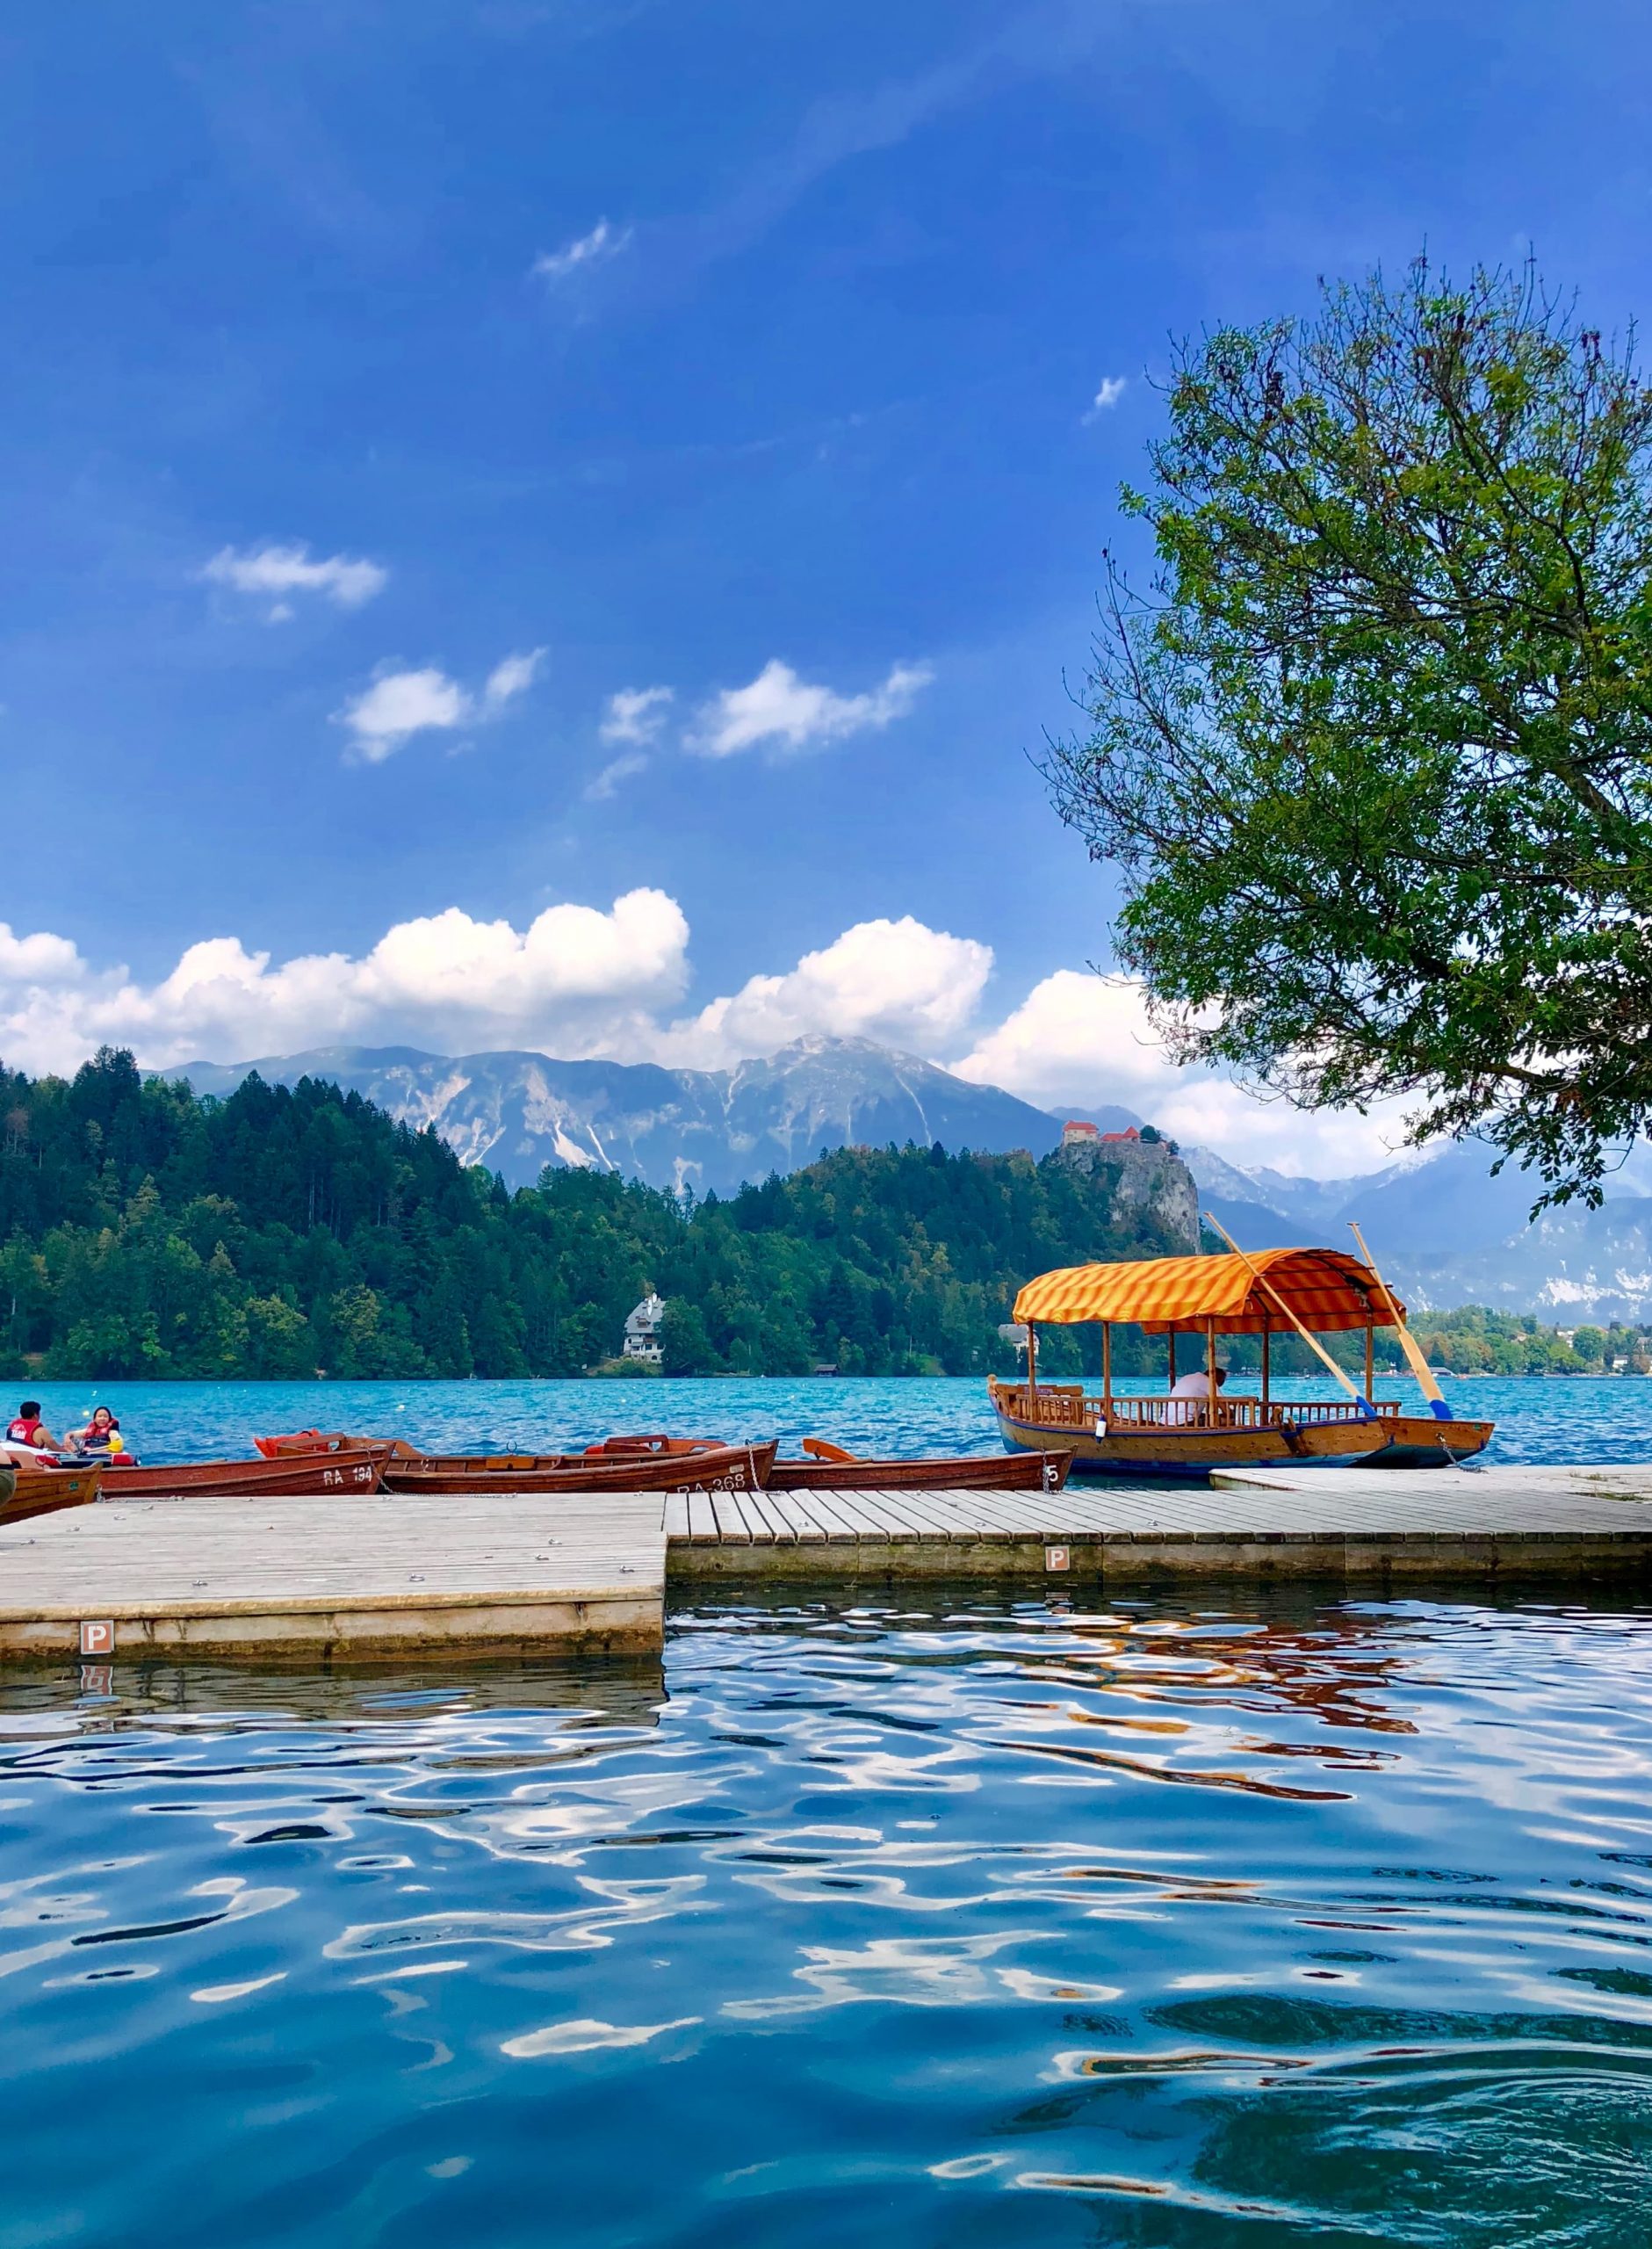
<point x="343" y="1578"/>
<point x="339" y="1576"/>
<point x="1326" y="1522"/>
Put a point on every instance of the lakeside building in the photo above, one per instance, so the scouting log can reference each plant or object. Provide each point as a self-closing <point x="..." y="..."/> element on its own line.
<point x="642" y="1330"/>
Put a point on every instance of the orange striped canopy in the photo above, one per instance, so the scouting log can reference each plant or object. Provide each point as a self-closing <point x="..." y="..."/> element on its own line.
<point x="1326" y="1289"/>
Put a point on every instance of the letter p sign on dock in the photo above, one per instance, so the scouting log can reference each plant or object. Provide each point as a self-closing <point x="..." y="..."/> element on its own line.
<point x="97" y="1635"/>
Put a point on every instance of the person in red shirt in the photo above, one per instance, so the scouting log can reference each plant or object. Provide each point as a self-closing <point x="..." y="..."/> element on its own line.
<point x="27" y="1435"/>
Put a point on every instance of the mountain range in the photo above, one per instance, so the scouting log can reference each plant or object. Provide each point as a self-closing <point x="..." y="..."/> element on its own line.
<point x="709" y="1130"/>
<point x="1444" y="1229"/>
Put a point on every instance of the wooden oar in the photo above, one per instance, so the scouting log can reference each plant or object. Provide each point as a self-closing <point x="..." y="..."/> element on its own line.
<point x="1367" y="1413"/>
<point x="1408" y="1343"/>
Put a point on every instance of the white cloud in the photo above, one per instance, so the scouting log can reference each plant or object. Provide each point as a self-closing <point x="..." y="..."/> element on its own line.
<point x="1112" y="389"/>
<point x="635" y="714"/>
<point x="511" y="678"/>
<point x="1079" y="1038"/>
<point x="576" y="980"/>
<point x="271" y="571"/>
<point x="898" y="982"/>
<point x="603" y="241"/>
<point x="605" y="784"/>
<point x="401" y="703"/>
<point x="779" y="708"/>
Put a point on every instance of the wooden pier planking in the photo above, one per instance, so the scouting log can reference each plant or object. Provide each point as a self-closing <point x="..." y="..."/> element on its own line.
<point x="346" y="1575"/>
<point x="1327" y="1523"/>
<point x="356" y="1576"/>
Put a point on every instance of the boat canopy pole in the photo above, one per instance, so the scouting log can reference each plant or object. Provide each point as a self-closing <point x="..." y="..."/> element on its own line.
<point x="1170" y="1338"/>
<point x="1210" y="1371"/>
<point x="1408" y="1343"/>
<point x="1366" y="1412"/>
<point x="1268" y="1337"/>
<point x="1032" y="1359"/>
<point x="1107" y="1369"/>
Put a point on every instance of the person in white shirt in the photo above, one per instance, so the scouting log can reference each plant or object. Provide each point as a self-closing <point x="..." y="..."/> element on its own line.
<point x="1187" y="1387"/>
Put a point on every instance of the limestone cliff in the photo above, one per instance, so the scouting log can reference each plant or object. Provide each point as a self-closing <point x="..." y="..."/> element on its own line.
<point x="1146" y="1177"/>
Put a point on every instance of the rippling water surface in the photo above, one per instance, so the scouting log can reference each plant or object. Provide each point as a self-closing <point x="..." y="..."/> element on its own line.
<point x="973" y="1922"/>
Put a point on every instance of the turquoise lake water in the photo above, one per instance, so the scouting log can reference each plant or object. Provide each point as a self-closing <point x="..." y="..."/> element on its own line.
<point x="1574" y="1419"/>
<point x="954" y="1921"/>
<point x="954" y="1917"/>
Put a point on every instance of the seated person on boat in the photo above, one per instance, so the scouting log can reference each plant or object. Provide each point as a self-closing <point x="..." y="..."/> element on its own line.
<point x="99" y="1438"/>
<point x="1187" y="1386"/>
<point x="28" y="1440"/>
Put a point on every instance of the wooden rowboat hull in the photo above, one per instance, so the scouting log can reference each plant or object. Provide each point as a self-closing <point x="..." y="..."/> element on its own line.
<point x="714" y="1468"/>
<point x="1191" y="1453"/>
<point x="43" y="1491"/>
<point x="1019" y="1471"/>
<point x="341" y="1473"/>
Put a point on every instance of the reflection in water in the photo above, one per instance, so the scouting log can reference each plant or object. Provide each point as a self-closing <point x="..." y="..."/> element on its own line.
<point x="929" y="1923"/>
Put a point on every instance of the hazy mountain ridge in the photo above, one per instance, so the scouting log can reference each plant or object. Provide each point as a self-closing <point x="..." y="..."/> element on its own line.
<point x="705" y="1129"/>
<point x="1446" y="1231"/>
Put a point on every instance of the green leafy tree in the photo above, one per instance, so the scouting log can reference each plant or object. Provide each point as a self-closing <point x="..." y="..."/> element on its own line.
<point x="685" y="1342"/>
<point x="1375" y="752"/>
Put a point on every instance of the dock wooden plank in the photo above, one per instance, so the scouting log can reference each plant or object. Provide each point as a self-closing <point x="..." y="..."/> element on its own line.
<point x="1332" y="1520"/>
<point x="842" y="1516"/>
<point x="791" y="1509"/>
<point x="356" y="1573"/>
<point x="726" y="1511"/>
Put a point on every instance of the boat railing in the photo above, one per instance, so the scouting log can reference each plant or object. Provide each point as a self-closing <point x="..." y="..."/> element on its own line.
<point x="1068" y="1406"/>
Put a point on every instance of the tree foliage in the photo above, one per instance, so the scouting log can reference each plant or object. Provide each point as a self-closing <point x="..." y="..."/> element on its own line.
<point x="1375" y="752"/>
<point x="282" y="1231"/>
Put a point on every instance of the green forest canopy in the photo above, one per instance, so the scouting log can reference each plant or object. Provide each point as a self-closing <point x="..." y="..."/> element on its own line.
<point x="284" y="1231"/>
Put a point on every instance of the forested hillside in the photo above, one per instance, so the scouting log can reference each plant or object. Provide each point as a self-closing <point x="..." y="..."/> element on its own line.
<point x="277" y="1232"/>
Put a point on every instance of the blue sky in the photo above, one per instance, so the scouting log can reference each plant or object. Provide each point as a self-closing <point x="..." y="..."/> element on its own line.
<point x="477" y="364"/>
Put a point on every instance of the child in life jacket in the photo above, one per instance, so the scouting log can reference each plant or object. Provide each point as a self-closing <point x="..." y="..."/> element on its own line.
<point x="28" y="1437"/>
<point x="100" y="1438"/>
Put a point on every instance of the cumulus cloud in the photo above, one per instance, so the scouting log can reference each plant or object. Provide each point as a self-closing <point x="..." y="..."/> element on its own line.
<point x="274" y="573"/>
<point x="898" y="982"/>
<point x="780" y="710"/>
<point x="604" y="241"/>
<point x="1112" y="389"/>
<point x="1079" y="1038"/>
<point x="401" y="703"/>
<point x="635" y="714"/>
<point x="578" y="978"/>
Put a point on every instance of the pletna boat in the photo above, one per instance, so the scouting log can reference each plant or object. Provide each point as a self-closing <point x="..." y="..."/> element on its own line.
<point x="1265" y="1292"/>
<point x="831" y="1469"/>
<point x="25" y="1493"/>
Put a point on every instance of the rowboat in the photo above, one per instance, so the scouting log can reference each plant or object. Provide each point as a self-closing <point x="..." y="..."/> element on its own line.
<point x="1265" y="1292"/>
<point x="354" y="1470"/>
<point x="28" y="1492"/>
<point x="306" y="1443"/>
<point x="687" y="1466"/>
<point x="621" y="1464"/>
<point x="831" y="1469"/>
